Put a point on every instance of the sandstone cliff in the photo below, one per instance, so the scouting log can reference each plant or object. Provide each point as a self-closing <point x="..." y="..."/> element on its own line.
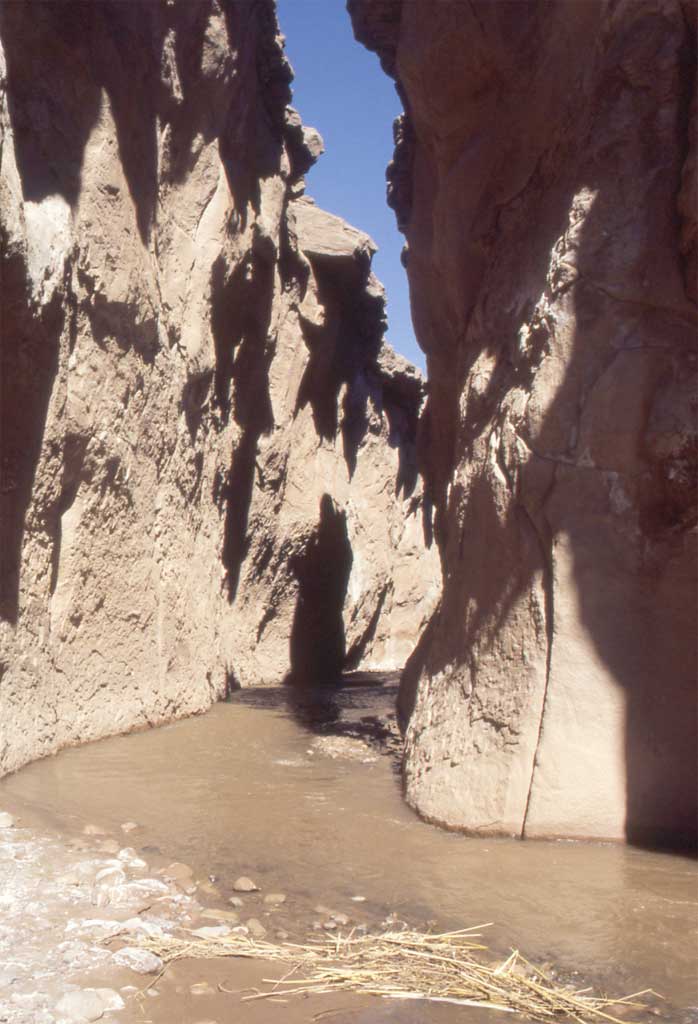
<point x="544" y="177"/>
<point x="208" y="456"/>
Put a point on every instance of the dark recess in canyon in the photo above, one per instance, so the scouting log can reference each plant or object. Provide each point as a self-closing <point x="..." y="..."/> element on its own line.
<point x="318" y="647"/>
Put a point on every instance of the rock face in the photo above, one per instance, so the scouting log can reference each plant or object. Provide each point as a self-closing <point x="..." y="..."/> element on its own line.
<point x="199" y="420"/>
<point x="544" y="176"/>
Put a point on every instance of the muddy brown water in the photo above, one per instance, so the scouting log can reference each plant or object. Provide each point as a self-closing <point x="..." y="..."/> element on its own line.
<point x="247" y="790"/>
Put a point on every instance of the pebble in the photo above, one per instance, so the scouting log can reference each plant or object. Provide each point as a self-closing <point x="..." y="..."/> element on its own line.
<point x="129" y="826"/>
<point x="275" y="899"/>
<point x="216" y="931"/>
<point x="139" y="890"/>
<point x="210" y="889"/>
<point x="281" y="935"/>
<point x="256" y="928"/>
<point x="341" y="919"/>
<point x="85" y="1005"/>
<point x="111" y="1000"/>
<point x="6" y="820"/>
<point x="221" y="915"/>
<point x="181" y="875"/>
<point x="115" y="875"/>
<point x="178" y="872"/>
<point x="94" y="830"/>
<point x="139" y="960"/>
<point x="329" y="926"/>
<point x="235" y="901"/>
<point x="202" y="988"/>
<point x="358" y="899"/>
<point x="97" y="927"/>
<point x="129" y="856"/>
<point x="245" y="884"/>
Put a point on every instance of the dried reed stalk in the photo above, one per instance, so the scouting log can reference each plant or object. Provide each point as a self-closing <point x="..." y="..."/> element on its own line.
<point x="406" y="965"/>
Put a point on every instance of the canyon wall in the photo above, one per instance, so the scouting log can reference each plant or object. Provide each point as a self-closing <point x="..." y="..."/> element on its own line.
<point x="544" y="178"/>
<point x="207" y="452"/>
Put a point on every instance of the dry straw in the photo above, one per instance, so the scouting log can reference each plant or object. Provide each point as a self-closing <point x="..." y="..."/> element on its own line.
<point x="407" y="965"/>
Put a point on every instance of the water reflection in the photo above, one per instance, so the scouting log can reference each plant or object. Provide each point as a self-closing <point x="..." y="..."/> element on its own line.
<point x="338" y="708"/>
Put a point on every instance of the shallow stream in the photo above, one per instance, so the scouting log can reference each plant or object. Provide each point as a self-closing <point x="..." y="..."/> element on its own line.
<point x="261" y="786"/>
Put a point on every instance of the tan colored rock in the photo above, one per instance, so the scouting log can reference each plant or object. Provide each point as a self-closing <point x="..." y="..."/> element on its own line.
<point x="255" y="928"/>
<point x="544" y="178"/>
<point x="178" y="872"/>
<point x="212" y="914"/>
<point x="192" y="405"/>
<point x="324" y="235"/>
<point x="244" y="884"/>
<point x="275" y="899"/>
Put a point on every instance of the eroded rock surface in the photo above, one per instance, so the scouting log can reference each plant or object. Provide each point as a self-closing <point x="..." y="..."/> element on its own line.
<point x="194" y="401"/>
<point x="544" y="176"/>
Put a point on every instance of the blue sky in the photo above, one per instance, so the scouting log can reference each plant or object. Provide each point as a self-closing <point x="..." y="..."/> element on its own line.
<point x="340" y="90"/>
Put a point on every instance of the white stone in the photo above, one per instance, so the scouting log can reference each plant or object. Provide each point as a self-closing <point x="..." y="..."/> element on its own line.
<point x="218" y="931"/>
<point x="114" y="875"/>
<point x="85" y="1005"/>
<point x="111" y="1000"/>
<point x="139" y="960"/>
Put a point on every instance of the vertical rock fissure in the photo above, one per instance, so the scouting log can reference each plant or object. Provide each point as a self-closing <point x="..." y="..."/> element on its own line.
<point x="548" y="595"/>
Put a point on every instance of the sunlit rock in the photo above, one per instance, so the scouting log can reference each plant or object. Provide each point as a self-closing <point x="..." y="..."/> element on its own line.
<point x="544" y="177"/>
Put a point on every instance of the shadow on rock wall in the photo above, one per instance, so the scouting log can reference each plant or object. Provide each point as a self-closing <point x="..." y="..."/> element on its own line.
<point x="150" y="65"/>
<point x="64" y="61"/>
<point x="241" y="315"/>
<point x="601" y="508"/>
<point x="340" y="350"/>
<point x="60" y="62"/>
<point x="28" y="365"/>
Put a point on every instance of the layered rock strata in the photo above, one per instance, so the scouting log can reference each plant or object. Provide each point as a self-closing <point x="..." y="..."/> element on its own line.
<point x="544" y="177"/>
<point x="208" y="455"/>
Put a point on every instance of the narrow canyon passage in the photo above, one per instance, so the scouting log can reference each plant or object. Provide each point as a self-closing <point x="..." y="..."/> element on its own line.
<point x="357" y="601"/>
